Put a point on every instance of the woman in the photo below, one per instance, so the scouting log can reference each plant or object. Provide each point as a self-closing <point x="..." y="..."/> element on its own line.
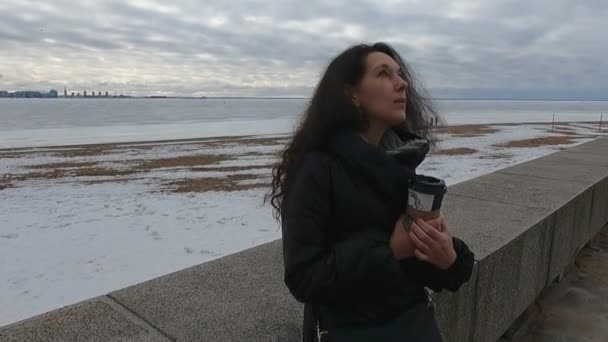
<point x="349" y="254"/>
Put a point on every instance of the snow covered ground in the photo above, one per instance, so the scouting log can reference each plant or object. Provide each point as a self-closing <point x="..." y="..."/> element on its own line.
<point x="77" y="222"/>
<point x="490" y="153"/>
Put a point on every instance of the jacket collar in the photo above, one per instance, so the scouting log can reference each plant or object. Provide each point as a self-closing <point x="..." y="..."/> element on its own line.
<point x="409" y="149"/>
<point x="372" y="164"/>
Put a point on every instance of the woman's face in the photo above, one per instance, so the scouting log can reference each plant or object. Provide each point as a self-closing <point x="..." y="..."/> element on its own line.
<point x="382" y="90"/>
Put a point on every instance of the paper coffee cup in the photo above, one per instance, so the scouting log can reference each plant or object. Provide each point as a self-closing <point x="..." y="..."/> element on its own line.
<point x="425" y="197"/>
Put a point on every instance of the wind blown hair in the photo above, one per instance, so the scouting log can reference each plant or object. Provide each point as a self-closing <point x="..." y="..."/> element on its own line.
<point x="330" y="110"/>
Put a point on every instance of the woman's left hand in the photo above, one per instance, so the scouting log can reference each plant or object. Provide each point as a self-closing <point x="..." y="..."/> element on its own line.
<point x="432" y="245"/>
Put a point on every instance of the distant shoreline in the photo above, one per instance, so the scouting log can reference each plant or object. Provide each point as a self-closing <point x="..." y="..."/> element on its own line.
<point x="277" y="98"/>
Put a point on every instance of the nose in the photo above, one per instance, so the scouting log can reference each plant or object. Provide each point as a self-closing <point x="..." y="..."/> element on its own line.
<point x="401" y="83"/>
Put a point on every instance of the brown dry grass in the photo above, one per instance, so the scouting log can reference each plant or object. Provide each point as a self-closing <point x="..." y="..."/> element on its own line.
<point x="62" y="165"/>
<point x="103" y="181"/>
<point x="152" y="143"/>
<point x="231" y="168"/>
<point x="78" y="172"/>
<point x="265" y="155"/>
<point x="83" y="152"/>
<point x="53" y="171"/>
<point x="86" y="150"/>
<point x="562" y="129"/>
<point x="455" y="151"/>
<point x="467" y="130"/>
<point x="562" y="132"/>
<point x="536" y="142"/>
<point x="71" y="170"/>
<point x="229" y="183"/>
<point x="183" y="161"/>
<point x="12" y="155"/>
<point x="109" y="146"/>
<point x="256" y="154"/>
<point x="263" y="141"/>
<point x="499" y="155"/>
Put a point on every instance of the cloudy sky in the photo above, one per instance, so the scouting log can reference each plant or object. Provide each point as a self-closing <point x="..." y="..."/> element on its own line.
<point x="518" y="48"/>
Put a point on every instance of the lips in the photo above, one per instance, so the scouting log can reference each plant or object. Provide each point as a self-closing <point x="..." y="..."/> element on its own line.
<point x="401" y="100"/>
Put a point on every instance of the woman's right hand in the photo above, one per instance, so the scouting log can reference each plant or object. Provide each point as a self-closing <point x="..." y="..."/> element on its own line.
<point x="400" y="242"/>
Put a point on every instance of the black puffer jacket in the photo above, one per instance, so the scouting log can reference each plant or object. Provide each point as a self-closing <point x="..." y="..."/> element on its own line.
<point x="337" y="218"/>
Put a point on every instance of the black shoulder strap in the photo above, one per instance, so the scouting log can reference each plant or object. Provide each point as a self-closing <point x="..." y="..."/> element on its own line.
<point x="309" y="324"/>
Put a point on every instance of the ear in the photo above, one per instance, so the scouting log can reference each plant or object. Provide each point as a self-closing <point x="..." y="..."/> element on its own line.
<point x="351" y="93"/>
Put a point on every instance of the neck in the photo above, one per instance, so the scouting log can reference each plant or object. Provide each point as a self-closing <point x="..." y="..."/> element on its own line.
<point x="374" y="133"/>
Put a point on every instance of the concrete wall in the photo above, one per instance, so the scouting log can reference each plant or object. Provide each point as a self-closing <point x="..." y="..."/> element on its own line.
<point x="525" y="223"/>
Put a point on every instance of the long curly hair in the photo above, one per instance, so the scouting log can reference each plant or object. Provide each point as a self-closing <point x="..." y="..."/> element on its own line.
<point x="330" y="110"/>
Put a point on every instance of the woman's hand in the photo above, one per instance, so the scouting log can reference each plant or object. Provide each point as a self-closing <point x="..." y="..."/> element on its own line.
<point x="433" y="245"/>
<point x="400" y="242"/>
<point x="439" y="223"/>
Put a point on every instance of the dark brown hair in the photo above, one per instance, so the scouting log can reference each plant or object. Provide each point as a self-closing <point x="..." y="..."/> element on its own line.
<point x="330" y="110"/>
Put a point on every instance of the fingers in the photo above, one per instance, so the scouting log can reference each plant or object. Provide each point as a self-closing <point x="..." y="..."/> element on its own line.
<point x="446" y="229"/>
<point x="422" y="236"/>
<point x="417" y="241"/>
<point x="440" y="224"/>
<point x="433" y="233"/>
<point x="433" y="241"/>
<point x="420" y="255"/>
<point x="437" y="222"/>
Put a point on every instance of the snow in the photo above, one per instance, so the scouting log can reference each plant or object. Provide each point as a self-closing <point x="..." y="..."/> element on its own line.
<point x="62" y="241"/>
<point x="458" y="168"/>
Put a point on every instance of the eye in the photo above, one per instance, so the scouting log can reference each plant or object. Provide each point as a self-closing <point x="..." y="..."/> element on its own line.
<point x="383" y="73"/>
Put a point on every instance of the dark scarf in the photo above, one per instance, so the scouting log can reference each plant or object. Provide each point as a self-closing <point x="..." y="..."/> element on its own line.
<point x="390" y="172"/>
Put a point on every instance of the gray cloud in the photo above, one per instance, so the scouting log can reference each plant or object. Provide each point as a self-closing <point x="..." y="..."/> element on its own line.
<point x="253" y="47"/>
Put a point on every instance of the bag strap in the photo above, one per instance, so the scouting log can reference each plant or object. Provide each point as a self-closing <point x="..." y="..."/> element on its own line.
<point x="313" y="329"/>
<point x="429" y="298"/>
<point x="320" y="329"/>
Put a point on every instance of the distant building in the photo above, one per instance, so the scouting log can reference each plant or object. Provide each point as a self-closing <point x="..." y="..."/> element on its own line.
<point x="55" y="94"/>
<point x="26" y="94"/>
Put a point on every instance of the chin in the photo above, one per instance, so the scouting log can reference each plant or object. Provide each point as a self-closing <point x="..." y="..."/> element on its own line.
<point x="396" y="119"/>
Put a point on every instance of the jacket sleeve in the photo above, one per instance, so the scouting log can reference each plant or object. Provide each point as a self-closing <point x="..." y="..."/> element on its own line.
<point x="453" y="277"/>
<point x="318" y="271"/>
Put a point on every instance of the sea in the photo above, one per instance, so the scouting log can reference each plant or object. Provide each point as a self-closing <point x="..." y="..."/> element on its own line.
<point x="66" y="121"/>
